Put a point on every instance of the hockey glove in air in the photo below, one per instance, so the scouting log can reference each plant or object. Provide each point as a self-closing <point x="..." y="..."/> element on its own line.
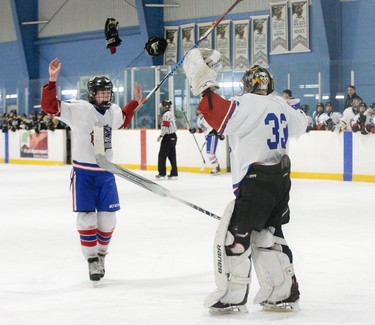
<point x="156" y="46"/>
<point x="111" y="34"/>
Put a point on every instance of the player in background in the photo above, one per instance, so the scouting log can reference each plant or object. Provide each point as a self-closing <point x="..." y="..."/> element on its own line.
<point x="94" y="191"/>
<point x="258" y="128"/>
<point x="212" y="139"/>
<point x="345" y="123"/>
<point x="168" y="138"/>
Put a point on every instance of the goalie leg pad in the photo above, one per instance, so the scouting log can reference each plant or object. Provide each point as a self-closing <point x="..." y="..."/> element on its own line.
<point x="272" y="266"/>
<point x="232" y="273"/>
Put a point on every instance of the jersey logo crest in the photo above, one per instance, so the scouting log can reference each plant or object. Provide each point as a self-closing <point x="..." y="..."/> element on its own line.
<point x="107" y="137"/>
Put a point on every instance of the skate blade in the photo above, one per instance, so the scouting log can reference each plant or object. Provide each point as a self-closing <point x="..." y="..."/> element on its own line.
<point x="228" y="310"/>
<point x="95" y="284"/>
<point x="281" y="307"/>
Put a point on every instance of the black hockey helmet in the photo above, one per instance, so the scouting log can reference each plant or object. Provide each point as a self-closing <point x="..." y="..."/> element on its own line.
<point x="255" y="79"/>
<point x="305" y="108"/>
<point x="355" y="102"/>
<point x="166" y="103"/>
<point x="99" y="83"/>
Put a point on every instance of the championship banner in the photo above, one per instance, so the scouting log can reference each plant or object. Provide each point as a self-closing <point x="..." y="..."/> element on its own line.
<point x="33" y="145"/>
<point x="279" y="27"/>
<point x="207" y="42"/>
<point x="241" y="44"/>
<point x="259" y="40"/>
<point x="223" y="42"/>
<point x="170" y="54"/>
<point x="300" y="41"/>
<point x="188" y="38"/>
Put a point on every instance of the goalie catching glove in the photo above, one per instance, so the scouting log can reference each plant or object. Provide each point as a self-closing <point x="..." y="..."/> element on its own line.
<point x="201" y="67"/>
<point x="156" y="46"/>
<point x="111" y="34"/>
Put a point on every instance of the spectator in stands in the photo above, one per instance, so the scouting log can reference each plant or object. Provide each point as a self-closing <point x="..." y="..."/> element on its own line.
<point x="351" y="95"/>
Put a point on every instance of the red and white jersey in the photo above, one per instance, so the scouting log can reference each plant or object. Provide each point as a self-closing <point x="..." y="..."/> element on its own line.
<point x="203" y="125"/>
<point x="258" y="128"/>
<point x="82" y="116"/>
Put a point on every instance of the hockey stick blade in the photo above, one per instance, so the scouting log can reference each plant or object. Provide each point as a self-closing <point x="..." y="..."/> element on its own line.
<point x="177" y="65"/>
<point x="136" y="179"/>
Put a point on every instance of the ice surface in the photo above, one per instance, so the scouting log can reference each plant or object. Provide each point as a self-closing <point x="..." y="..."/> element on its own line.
<point x="159" y="269"/>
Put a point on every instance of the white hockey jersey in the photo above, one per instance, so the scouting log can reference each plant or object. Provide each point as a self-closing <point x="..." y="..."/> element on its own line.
<point x="258" y="128"/>
<point x="82" y="116"/>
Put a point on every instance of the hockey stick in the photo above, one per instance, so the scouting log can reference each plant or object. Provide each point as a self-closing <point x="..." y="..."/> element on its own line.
<point x="176" y="66"/>
<point x="195" y="139"/>
<point x="103" y="162"/>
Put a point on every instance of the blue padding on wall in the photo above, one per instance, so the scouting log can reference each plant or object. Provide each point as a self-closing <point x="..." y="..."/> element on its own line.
<point x="348" y="156"/>
<point x="6" y="158"/>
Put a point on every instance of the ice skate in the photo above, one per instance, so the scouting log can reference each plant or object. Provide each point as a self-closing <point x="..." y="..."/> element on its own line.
<point x="289" y="304"/>
<point x="225" y="308"/>
<point x="101" y="260"/>
<point x="173" y="178"/>
<point x="95" y="271"/>
<point x="216" y="171"/>
<point x="160" y="177"/>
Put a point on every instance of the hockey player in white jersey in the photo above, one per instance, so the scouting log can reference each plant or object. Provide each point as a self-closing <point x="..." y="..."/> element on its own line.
<point x="212" y="139"/>
<point x="94" y="191"/>
<point x="258" y="128"/>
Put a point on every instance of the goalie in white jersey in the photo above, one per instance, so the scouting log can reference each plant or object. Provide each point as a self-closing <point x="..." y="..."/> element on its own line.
<point x="94" y="191"/>
<point x="258" y="126"/>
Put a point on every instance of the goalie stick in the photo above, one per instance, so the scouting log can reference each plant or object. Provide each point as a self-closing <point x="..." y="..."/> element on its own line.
<point x="103" y="162"/>
<point x="176" y="66"/>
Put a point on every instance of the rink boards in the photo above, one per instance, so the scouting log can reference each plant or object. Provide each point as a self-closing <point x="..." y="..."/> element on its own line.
<point x="316" y="155"/>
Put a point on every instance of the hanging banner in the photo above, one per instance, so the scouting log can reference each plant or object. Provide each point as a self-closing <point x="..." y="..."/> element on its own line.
<point x="207" y="42"/>
<point x="188" y="38"/>
<point x="33" y="145"/>
<point x="259" y="40"/>
<point x="299" y="25"/>
<point x="241" y="45"/>
<point x="170" y="54"/>
<point x="279" y="27"/>
<point x="223" y="42"/>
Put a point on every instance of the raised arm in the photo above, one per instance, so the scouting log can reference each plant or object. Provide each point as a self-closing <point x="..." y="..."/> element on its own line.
<point x="129" y="108"/>
<point x="50" y="104"/>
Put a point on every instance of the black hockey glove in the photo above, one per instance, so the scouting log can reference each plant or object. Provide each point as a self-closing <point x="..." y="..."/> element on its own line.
<point x="156" y="46"/>
<point x="221" y="137"/>
<point x="212" y="133"/>
<point x="362" y="119"/>
<point x="366" y="129"/>
<point x="192" y="130"/>
<point x="111" y="34"/>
